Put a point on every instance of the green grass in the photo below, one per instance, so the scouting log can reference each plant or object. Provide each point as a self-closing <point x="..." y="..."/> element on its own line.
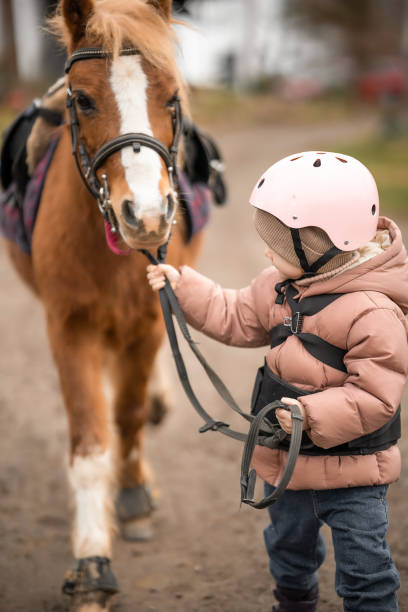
<point x="387" y="159"/>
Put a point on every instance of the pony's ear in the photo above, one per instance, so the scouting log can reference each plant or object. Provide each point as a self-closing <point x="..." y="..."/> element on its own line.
<point x="163" y="6"/>
<point x="76" y="14"/>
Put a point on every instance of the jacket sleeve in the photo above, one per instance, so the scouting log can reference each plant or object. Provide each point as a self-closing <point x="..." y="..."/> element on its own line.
<point x="377" y="365"/>
<point x="234" y="317"/>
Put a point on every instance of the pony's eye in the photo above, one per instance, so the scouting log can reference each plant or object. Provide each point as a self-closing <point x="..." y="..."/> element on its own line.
<point x="84" y="103"/>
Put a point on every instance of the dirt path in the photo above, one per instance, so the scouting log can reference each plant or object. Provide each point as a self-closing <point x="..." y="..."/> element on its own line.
<point x="207" y="554"/>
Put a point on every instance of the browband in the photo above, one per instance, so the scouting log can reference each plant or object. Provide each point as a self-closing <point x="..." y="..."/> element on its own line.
<point x="95" y="53"/>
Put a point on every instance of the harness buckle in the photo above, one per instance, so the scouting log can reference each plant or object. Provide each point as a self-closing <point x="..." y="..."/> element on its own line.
<point x="212" y="426"/>
<point x="295" y="323"/>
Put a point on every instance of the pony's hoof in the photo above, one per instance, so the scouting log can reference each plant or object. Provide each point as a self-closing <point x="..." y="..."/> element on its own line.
<point x="138" y="530"/>
<point x="134" y="503"/>
<point x="134" y="507"/>
<point x="91" y="585"/>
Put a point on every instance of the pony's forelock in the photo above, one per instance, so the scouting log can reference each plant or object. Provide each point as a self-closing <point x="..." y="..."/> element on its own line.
<point x="118" y="23"/>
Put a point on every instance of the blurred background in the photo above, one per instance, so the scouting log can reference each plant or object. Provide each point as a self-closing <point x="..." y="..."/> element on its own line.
<point x="258" y="63"/>
<point x="268" y="78"/>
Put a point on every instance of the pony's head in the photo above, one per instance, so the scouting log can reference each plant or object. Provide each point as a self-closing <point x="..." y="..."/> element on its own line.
<point x="126" y="94"/>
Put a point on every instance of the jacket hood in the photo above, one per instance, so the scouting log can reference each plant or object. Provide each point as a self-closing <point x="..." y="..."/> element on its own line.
<point x="386" y="273"/>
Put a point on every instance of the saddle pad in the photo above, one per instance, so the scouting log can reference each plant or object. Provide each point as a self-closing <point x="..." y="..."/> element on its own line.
<point x="17" y="221"/>
<point x="195" y="201"/>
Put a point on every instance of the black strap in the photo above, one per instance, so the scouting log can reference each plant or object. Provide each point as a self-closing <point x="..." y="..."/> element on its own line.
<point x="79" y="150"/>
<point x="95" y="53"/>
<point x="297" y="244"/>
<point x="310" y="305"/>
<point x="279" y="287"/>
<point x="270" y="433"/>
<point x="317" y="347"/>
<point x="170" y="305"/>
<point x="327" y="256"/>
<point x="177" y="121"/>
<point x="137" y="139"/>
<point x="324" y="351"/>
<point x="248" y="478"/>
<point x="310" y="269"/>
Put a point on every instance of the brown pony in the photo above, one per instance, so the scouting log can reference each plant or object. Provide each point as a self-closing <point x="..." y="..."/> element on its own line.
<point x="103" y="319"/>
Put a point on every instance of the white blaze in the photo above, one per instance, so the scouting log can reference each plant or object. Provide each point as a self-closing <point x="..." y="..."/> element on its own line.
<point x="142" y="170"/>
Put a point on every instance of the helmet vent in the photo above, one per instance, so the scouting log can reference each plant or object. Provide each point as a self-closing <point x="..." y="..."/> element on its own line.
<point x="317" y="163"/>
<point x="261" y="182"/>
<point x="373" y="209"/>
<point x="294" y="158"/>
<point x="344" y="161"/>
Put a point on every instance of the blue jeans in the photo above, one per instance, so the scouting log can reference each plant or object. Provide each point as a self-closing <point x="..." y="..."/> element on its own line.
<point x="366" y="577"/>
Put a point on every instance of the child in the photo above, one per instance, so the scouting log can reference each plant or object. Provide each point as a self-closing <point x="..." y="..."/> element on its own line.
<point x="331" y="307"/>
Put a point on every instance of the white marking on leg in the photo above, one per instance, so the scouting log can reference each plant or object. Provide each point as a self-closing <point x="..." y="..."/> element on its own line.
<point x="92" y="479"/>
<point x="142" y="170"/>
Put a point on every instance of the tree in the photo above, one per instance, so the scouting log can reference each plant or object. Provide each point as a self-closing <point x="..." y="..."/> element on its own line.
<point x="370" y="29"/>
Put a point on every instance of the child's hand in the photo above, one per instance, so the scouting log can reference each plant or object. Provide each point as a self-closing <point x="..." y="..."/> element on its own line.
<point x="285" y="418"/>
<point x="156" y="276"/>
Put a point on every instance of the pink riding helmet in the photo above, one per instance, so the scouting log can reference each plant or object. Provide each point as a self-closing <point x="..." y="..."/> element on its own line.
<point x="332" y="191"/>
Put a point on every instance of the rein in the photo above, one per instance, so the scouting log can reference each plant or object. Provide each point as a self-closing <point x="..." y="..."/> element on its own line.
<point x="261" y="431"/>
<point x="88" y="167"/>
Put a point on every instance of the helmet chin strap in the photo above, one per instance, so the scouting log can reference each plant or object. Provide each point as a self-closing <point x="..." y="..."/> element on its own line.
<point x="310" y="269"/>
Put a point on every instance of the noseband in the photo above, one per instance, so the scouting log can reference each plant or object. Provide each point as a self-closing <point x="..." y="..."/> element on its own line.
<point x="88" y="166"/>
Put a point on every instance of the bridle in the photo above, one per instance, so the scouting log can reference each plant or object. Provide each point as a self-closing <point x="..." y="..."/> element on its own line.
<point x="88" y="166"/>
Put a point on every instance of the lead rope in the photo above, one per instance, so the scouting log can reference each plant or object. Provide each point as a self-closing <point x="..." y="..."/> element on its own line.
<point x="271" y="434"/>
<point x="248" y="477"/>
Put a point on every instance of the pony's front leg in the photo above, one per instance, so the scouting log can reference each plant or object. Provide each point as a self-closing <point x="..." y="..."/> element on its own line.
<point x="132" y="368"/>
<point x="92" y="466"/>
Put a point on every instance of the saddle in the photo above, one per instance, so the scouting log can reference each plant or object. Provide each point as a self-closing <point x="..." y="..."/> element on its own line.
<point x="28" y="147"/>
<point x="27" y="139"/>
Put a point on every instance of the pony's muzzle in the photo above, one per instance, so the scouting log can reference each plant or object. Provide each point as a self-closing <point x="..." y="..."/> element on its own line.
<point x="154" y="221"/>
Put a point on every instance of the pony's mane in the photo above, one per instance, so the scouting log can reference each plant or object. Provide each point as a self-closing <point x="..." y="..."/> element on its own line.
<point x="117" y="23"/>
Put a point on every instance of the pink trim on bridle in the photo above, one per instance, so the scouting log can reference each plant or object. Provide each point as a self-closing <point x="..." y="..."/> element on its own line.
<point x="112" y="241"/>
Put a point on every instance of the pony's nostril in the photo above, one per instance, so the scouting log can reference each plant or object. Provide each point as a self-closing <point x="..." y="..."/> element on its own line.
<point x="129" y="213"/>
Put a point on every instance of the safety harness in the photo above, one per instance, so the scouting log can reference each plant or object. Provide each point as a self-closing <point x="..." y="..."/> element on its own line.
<point x="269" y="387"/>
